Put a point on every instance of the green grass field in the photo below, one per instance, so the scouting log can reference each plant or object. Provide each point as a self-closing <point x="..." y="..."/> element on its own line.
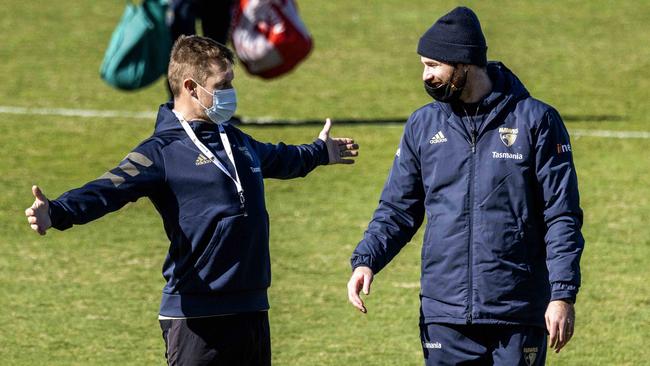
<point x="89" y="296"/>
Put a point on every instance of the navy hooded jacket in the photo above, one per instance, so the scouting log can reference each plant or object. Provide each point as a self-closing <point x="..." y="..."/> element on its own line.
<point x="501" y="200"/>
<point x="218" y="260"/>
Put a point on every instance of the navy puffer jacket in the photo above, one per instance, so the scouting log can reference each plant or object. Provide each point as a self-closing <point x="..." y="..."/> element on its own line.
<point x="501" y="200"/>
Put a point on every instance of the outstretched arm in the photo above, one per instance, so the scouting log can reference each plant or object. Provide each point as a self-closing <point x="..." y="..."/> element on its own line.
<point x="136" y="176"/>
<point x="290" y="161"/>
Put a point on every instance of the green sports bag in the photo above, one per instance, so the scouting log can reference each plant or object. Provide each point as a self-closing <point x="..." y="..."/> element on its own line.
<point x="138" y="53"/>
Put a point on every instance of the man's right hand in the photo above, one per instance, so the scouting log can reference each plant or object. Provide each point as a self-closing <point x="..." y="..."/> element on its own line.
<point x="38" y="215"/>
<point x="361" y="279"/>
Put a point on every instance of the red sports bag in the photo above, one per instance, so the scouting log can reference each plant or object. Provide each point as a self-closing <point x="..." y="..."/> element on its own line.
<point x="269" y="37"/>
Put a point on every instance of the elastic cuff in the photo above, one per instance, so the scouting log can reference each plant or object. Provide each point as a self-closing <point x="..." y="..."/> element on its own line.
<point x="361" y="261"/>
<point x="563" y="296"/>
<point x="564" y="291"/>
<point x="58" y="216"/>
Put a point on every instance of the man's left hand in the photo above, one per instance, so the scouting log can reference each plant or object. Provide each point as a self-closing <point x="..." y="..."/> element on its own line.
<point x="560" y="321"/>
<point x="338" y="148"/>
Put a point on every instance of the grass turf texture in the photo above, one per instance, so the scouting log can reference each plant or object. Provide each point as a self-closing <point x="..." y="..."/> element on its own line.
<point x="90" y="295"/>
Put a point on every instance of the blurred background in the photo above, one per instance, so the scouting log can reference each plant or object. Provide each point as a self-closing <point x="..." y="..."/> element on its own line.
<point x="89" y="296"/>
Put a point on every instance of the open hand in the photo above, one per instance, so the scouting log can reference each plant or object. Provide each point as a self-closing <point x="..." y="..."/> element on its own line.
<point x="38" y="215"/>
<point x="338" y="148"/>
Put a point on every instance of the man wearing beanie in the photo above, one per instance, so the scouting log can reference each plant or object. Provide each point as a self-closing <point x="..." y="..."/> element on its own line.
<point x="491" y="169"/>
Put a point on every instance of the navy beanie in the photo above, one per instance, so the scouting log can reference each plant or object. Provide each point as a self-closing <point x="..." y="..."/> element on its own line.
<point x="455" y="38"/>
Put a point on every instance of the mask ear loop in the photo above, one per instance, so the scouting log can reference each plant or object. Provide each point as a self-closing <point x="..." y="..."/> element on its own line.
<point x="197" y="94"/>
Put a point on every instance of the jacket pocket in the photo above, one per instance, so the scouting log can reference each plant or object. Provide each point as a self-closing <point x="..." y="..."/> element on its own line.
<point x="426" y="240"/>
<point x="509" y="246"/>
<point x="236" y="258"/>
<point x="431" y="237"/>
<point x="523" y="242"/>
<point x="207" y="252"/>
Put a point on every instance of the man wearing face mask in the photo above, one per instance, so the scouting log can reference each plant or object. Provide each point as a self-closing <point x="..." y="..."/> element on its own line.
<point x="491" y="168"/>
<point x="205" y="178"/>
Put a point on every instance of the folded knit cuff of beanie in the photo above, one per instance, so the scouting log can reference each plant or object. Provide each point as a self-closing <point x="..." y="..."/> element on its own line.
<point x="452" y="52"/>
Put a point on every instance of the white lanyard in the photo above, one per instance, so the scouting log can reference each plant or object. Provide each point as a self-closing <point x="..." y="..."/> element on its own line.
<point x="210" y="155"/>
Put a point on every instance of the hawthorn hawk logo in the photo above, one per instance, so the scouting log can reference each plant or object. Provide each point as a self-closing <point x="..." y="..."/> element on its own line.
<point x="530" y="354"/>
<point x="508" y="135"/>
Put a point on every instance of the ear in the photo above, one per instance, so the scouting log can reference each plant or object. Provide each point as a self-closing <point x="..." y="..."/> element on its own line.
<point x="464" y="67"/>
<point x="190" y="86"/>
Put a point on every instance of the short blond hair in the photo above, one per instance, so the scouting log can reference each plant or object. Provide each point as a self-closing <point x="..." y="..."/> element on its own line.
<point x="192" y="57"/>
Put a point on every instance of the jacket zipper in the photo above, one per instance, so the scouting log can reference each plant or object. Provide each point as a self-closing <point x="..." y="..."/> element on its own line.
<point x="470" y="298"/>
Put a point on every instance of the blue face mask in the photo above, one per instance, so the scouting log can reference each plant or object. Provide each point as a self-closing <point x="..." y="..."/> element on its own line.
<point x="224" y="104"/>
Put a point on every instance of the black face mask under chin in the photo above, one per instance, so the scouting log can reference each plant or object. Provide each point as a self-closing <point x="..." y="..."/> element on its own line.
<point x="447" y="92"/>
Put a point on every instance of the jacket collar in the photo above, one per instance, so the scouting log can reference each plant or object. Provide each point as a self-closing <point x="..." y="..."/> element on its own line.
<point x="167" y="121"/>
<point x="507" y="90"/>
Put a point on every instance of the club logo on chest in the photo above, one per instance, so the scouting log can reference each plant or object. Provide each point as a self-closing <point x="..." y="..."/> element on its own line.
<point x="508" y="135"/>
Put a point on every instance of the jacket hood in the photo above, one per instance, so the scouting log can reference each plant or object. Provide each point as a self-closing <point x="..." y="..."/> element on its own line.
<point x="166" y="119"/>
<point x="506" y="83"/>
